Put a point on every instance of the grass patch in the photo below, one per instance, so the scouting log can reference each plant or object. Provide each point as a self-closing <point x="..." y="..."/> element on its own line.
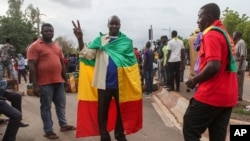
<point x="241" y="108"/>
<point x="241" y="111"/>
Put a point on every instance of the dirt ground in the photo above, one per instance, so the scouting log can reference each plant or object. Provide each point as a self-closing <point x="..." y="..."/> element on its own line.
<point x="239" y="112"/>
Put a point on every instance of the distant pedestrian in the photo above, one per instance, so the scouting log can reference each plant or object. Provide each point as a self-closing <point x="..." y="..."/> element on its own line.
<point x="241" y="56"/>
<point x="193" y="52"/>
<point x="175" y="55"/>
<point x="159" y="56"/>
<point x="72" y="63"/>
<point x="216" y="82"/>
<point x="195" y="61"/>
<point x="137" y="54"/>
<point x="21" y="68"/>
<point x="148" y="60"/>
<point x="165" y="73"/>
<point x="7" y="53"/>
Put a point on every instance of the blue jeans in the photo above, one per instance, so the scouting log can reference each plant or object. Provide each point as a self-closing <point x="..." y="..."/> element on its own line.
<point x="148" y="80"/>
<point x="48" y="93"/>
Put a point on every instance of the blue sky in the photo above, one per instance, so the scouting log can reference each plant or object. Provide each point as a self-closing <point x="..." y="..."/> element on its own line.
<point x="136" y="16"/>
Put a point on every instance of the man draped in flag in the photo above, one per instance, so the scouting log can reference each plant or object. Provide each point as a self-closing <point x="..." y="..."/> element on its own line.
<point x="109" y="93"/>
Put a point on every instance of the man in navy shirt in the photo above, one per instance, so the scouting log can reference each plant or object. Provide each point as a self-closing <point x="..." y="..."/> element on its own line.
<point x="148" y="59"/>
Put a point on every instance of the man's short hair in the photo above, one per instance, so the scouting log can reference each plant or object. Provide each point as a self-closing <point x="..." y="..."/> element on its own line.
<point x="46" y="25"/>
<point x="238" y="33"/>
<point x="164" y="36"/>
<point x="174" y="33"/>
<point x="212" y="9"/>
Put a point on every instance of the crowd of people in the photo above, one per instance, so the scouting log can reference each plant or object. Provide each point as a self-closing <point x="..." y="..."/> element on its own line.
<point x="167" y="58"/>
<point x="215" y="56"/>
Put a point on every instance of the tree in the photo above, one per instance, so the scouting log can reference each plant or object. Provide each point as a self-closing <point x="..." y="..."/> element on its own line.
<point x="17" y="26"/>
<point x="67" y="45"/>
<point x="233" y="21"/>
<point x="185" y="41"/>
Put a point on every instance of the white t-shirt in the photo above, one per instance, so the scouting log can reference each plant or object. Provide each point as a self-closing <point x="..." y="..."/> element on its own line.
<point x="175" y="45"/>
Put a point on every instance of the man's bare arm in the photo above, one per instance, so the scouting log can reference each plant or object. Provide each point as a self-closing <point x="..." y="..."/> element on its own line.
<point x="79" y="35"/>
<point x="33" y="71"/>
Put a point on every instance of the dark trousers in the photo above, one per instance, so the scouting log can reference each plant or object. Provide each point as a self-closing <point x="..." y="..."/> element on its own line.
<point x="200" y="116"/>
<point x="154" y="72"/>
<point x="174" y="74"/>
<point x="149" y="80"/>
<point x="71" y="68"/>
<point x="167" y="76"/>
<point x="23" y="73"/>
<point x="13" y="112"/>
<point x="104" y="99"/>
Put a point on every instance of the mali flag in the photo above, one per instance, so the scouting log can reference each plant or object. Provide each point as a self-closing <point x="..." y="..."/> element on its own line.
<point x="130" y="93"/>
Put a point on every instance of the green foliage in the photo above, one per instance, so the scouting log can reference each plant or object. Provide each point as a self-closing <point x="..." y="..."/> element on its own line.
<point x="234" y="21"/>
<point x="240" y="108"/>
<point x="185" y="41"/>
<point x="17" y="26"/>
<point x="241" y="111"/>
<point x="67" y="45"/>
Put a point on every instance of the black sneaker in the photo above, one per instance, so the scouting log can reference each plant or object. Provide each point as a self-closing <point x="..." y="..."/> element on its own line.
<point x="21" y="124"/>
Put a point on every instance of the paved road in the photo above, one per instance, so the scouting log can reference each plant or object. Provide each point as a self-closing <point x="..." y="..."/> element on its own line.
<point x="154" y="129"/>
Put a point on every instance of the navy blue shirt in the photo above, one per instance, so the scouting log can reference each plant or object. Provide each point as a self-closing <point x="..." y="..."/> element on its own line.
<point x="112" y="74"/>
<point x="148" y="59"/>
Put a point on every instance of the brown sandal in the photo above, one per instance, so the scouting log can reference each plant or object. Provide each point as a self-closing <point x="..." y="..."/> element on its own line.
<point x="51" y="135"/>
<point x="67" y="128"/>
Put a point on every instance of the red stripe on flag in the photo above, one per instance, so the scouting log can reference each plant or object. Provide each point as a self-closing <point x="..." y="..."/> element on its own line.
<point x="87" y="123"/>
<point x="131" y="116"/>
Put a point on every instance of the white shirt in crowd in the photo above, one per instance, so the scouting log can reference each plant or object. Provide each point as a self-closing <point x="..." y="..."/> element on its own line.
<point x="175" y="45"/>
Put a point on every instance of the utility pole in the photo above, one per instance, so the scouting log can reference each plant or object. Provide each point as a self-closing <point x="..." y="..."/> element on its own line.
<point x="38" y="23"/>
<point x="150" y="33"/>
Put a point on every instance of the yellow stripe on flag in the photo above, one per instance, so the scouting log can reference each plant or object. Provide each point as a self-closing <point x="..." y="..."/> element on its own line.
<point x="85" y="90"/>
<point x="129" y="83"/>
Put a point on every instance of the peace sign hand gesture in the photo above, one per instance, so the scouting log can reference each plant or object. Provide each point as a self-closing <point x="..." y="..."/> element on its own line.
<point x="77" y="30"/>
